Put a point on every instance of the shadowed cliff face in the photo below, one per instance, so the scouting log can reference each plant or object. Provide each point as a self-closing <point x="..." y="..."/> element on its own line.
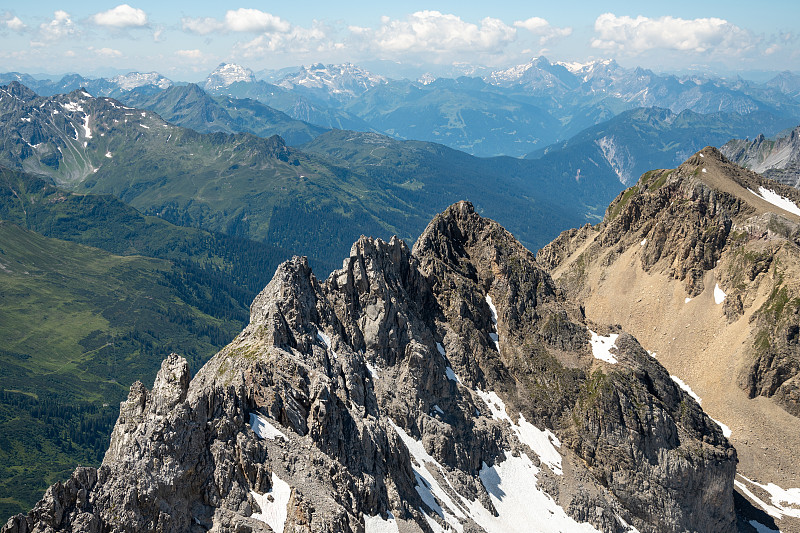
<point x="452" y="387"/>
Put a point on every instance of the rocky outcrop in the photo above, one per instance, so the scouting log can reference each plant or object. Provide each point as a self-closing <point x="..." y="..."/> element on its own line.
<point x="707" y="215"/>
<point x="777" y="159"/>
<point x="452" y="387"/>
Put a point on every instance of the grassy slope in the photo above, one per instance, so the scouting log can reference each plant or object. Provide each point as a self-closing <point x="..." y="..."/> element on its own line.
<point x="77" y="327"/>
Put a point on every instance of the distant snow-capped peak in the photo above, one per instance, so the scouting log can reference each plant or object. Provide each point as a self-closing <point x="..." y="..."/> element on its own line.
<point x="580" y="68"/>
<point x="515" y="73"/>
<point x="343" y="79"/>
<point x="132" y="80"/>
<point x="227" y="74"/>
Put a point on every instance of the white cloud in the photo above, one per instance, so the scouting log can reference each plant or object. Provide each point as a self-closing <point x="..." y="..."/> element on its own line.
<point x="640" y="34"/>
<point x="240" y="20"/>
<point x="12" y="22"/>
<point x="297" y="40"/>
<point x="435" y="32"/>
<point x="61" y="26"/>
<point x="202" y="26"/>
<point x="542" y="28"/>
<point x="106" y="52"/>
<point x="190" y="54"/>
<point x="122" y="16"/>
<point x="254" y="20"/>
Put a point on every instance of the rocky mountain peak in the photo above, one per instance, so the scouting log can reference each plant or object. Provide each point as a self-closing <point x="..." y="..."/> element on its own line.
<point x="452" y="386"/>
<point x="700" y="263"/>
<point x="20" y="91"/>
<point x="226" y="74"/>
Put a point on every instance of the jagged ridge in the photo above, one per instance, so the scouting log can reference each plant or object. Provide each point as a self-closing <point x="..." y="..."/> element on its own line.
<point x="395" y="392"/>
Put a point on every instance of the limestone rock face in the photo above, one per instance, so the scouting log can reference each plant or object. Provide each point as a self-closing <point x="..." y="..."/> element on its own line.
<point x="452" y="387"/>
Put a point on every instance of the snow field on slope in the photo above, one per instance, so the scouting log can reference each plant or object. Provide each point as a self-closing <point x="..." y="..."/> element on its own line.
<point x="543" y="443"/>
<point x="273" y="513"/>
<point x="376" y="524"/>
<point x="777" y="200"/>
<point x="601" y="347"/>
<point x="264" y="429"/>
<point x="719" y="295"/>
<point x="784" y="502"/>
<point x="511" y="485"/>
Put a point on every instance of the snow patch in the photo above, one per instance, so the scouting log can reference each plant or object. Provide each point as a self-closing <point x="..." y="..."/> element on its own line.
<point x="704" y="171"/>
<point x="428" y="487"/>
<point x="264" y="429"/>
<point x="520" y="503"/>
<point x="373" y="372"/>
<point x="777" y="200"/>
<point x="495" y="338"/>
<point x="701" y="155"/>
<point x="719" y="295"/>
<point x="108" y="155"/>
<point x="785" y="502"/>
<point x="72" y="106"/>
<point x="377" y="524"/>
<point x="543" y="443"/>
<point x="492" y="308"/>
<point x="628" y="528"/>
<point x="725" y="429"/>
<point x="451" y="375"/>
<point x="327" y="341"/>
<point x="601" y="347"/>
<point x="687" y="388"/>
<point x="86" y="131"/>
<point x="273" y="513"/>
<point x="644" y="241"/>
<point x="145" y="126"/>
<point x="440" y="348"/>
<point x="687" y="300"/>
<point x="438" y="409"/>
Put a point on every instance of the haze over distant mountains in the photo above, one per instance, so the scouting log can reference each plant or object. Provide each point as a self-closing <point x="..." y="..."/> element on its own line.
<point x="513" y="111"/>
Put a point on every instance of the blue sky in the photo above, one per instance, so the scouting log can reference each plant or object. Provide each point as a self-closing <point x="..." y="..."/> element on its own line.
<point x="185" y="40"/>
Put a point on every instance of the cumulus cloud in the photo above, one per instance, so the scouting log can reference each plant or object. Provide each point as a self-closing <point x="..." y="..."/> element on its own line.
<point x="122" y="16"/>
<point x="640" y="34"/>
<point x="201" y="26"/>
<point x="106" y="52"/>
<point x="190" y="54"/>
<point x="12" y="22"/>
<point x="436" y="32"/>
<point x="61" y="26"/>
<point x="239" y="20"/>
<point x="541" y="28"/>
<point x="297" y="40"/>
<point x="254" y="20"/>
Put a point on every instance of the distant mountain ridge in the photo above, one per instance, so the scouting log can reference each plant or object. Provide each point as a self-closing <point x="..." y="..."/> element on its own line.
<point x="262" y="189"/>
<point x="777" y="159"/>
<point x="511" y="111"/>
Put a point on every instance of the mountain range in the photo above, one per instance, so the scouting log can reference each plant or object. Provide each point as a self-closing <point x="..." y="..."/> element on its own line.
<point x="422" y="358"/>
<point x="508" y="112"/>
<point x="298" y="199"/>
<point x="468" y="384"/>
